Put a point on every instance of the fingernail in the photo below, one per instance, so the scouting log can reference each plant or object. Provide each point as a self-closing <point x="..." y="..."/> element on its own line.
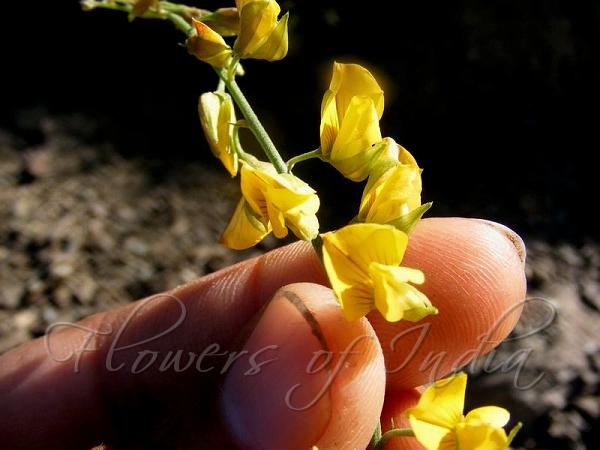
<point x="509" y="234"/>
<point x="271" y="398"/>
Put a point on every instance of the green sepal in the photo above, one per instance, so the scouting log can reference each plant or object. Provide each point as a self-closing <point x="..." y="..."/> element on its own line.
<point x="514" y="432"/>
<point x="407" y="222"/>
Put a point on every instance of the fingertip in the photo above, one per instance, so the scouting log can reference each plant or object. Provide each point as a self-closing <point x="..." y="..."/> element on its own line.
<point x="475" y="277"/>
<point x="322" y="366"/>
<point x="294" y="263"/>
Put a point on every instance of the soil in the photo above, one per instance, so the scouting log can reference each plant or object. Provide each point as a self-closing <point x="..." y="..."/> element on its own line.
<point x="83" y="229"/>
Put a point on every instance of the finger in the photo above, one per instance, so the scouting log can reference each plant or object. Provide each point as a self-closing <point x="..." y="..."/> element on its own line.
<point x="90" y="384"/>
<point x="474" y="272"/>
<point x="214" y="309"/>
<point x="396" y="403"/>
<point x="325" y="387"/>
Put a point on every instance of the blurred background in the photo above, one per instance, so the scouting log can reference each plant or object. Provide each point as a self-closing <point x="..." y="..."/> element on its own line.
<point x="108" y="191"/>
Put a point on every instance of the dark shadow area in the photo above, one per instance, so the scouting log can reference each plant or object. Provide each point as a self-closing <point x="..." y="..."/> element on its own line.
<point x="496" y="101"/>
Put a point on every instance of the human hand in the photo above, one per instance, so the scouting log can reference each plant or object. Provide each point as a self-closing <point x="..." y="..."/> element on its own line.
<point x="116" y="391"/>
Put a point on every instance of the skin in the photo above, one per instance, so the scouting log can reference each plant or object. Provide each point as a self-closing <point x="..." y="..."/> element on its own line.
<point x="474" y="272"/>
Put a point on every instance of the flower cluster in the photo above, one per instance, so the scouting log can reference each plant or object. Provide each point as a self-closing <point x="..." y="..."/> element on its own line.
<point x="362" y="260"/>
<point x="259" y="34"/>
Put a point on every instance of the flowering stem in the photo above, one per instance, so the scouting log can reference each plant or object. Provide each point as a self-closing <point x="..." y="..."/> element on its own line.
<point x="303" y="157"/>
<point x="166" y="10"/>
<point x="180" y="23"/>
<point x="253" y="123"/>
<point x="396" y="432"/>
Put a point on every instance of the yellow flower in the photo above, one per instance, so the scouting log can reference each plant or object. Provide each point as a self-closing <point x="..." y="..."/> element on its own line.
<point x="271" y="201"/>
<point x="362" y="262"/>
<point x="208" y="46"/>
<point x="439" y="424"/>
<point x="350" y="114"/>
<point x="217" y="116"/>
<point x="393" y="193"/>
<point x="261" y="36"/>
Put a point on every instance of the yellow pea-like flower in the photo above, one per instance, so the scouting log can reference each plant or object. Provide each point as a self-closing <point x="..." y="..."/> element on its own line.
<point x="261" y="35"/>
<point x="217" y="117"/>
<point x="350" y="113"/>
<point x="439" y="424"/>
<point x="363" y="265"/>
<point x="209" y="46"/>
<point x="395" y="191"/>
<point x="271" y="201"/>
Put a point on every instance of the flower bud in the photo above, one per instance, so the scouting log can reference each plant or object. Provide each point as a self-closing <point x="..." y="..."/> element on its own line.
<point x="217" y="116"/>
<point x="261" y="36"/>
<point x="393" y="194"/>
<point x="207" y="45"/>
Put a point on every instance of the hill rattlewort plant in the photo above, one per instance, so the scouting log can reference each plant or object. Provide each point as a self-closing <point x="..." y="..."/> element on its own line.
<point x="363" y="259"/>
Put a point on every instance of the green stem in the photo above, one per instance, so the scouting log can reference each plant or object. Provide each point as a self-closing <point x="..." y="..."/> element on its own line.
<point x="253" y="123"/>
<point x="397" y="432"/>
<point x="181" y="23"/>
<point x="170" y="14"/>
<point x="237" y="148"/>
<point x="304" y="156"/>
<point x="179" y="8"/>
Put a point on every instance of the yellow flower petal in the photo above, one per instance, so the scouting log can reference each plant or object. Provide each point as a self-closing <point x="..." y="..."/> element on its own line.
<point x="276" y="217"/>
<point x="433" y="437"/>
<point x="208" y="46"/>
<point x="253" y="187"/>
<point x="348" y="281"/>
<point x="480" y="436"/>
<point x="350" y="80"/>
<point x="394" y="297"/>
<point x="297" y="210"/>
<point x="258" y="19"/>
<point x="359" y="128"/>
<point x="390" y="156"/>
<point x="358" y="132"/>
<point x="244" y="229"/>
<point x="365" y="243"/>
<point x="442" y="403"/>
<point x="276" y="45"/>
<point x="492" y="415"/>
<point x="330" y="124"/>
<point x="217" y="116"/>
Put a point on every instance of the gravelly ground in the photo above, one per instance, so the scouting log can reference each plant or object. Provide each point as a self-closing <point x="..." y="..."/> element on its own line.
<point x="83" y="229"/>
